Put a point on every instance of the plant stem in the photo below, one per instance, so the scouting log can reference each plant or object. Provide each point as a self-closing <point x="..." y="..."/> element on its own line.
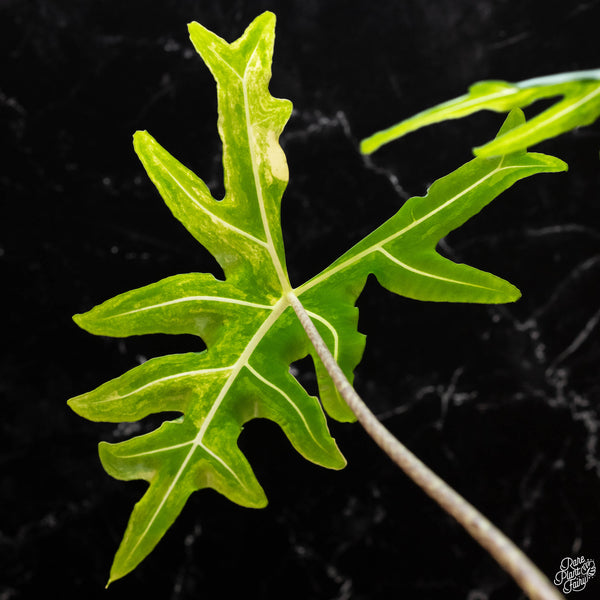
<point x="529" y="578"/>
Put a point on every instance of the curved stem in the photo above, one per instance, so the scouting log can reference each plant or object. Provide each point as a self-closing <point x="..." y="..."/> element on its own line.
<point x="529" y="578"/>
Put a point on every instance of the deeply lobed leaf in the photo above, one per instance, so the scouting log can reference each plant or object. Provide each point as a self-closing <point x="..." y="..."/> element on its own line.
<point x="250" y="331"/>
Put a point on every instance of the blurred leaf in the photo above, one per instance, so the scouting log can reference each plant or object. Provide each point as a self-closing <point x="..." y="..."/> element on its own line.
<point x="580" y="105"/>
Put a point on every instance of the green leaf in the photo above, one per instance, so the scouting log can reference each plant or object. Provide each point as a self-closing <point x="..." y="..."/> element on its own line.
<point x="580" y="105"/>
<point x="251" y="333"/>
<point x="401" y="252"/>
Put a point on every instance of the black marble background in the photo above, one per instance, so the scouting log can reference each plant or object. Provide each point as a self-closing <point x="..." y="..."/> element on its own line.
<point x="502" y="401"/>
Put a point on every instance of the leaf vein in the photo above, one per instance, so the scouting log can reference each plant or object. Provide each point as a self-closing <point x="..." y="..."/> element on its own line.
<point x="221" y="461"/>
<point x="193" y="299"/>
<point x="288" y="400"/>
<point x="283" y="280"/>
<point x="211" y="214"/>
<point x="183" y="374"/>
<point x="331" y="328"/>
<point x="430" y="275"/>
<point x="158" y="450"/>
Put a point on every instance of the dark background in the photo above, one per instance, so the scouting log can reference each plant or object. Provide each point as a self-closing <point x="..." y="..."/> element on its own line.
<point x="502" y="401"/>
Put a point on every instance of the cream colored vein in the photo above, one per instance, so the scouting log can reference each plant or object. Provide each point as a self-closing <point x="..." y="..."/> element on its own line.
<point x="377" y="246"/>
<point x="283" y="280"/>
<point x="224" y="62"/>
<point x="164" y="449"/>
<point x="212" y="215"/>
<point x="194" y="299"/>
<point x="221" y="461"/>
<point x="430" y="275"/>
<point x="181" y="375"/>
<point x="288" y="400"/>
<point x="331" y="328"/>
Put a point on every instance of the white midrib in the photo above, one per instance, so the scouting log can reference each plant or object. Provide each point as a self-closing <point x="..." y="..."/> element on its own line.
<point x="260" y="333"/>
<point x="242" y="361"/>
<point x="283" y="280"/>
<point x="194" y="299"/>
<point x="226" y="369"/>
<point x="379" y="245"/>
<point x="154" y="382"/>
<point x="393" y="259"/>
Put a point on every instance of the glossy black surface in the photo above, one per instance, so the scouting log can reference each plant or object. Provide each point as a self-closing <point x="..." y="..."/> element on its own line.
<point x="502" y="401"/>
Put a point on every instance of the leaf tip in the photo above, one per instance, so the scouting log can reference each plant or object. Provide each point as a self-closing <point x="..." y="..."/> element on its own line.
<point x="515" y="295"/>
<point x="116" y="572"/>
<point x="72" y="404"/>
<point x="506" y="293"/>
<point x="262" y="503"/>
<point x="367" y="146"/>
<point x="556" y="164"/>
<point x="141" y="139"/>
<point x="140" y="133"/>
<point x="82" y="320"/>
<point x="339" y="463"/>
<point x="514" y="119"/>
<point x="267" y="16"/>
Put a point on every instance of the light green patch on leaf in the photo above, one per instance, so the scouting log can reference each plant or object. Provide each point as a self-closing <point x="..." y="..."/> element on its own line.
<point x="579" y="106"/>
<point x="251" y="333"/>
